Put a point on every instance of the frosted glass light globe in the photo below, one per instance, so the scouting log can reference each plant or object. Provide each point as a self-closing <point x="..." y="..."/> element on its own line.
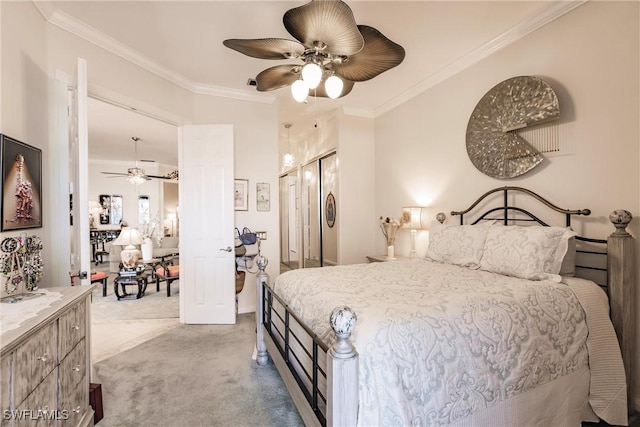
<point x="299" y="90"/>
<point x="312" y="74"/>
<point x="333" y="87"/>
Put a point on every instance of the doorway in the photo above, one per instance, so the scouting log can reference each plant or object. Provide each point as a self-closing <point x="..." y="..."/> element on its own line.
<point x="118" y="325"/>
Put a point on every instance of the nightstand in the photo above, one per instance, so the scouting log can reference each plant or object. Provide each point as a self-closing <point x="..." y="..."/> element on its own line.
<point x="383" y="258"/>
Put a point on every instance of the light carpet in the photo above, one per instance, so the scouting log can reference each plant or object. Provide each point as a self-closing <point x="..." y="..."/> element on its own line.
<point x="194" y="375"/>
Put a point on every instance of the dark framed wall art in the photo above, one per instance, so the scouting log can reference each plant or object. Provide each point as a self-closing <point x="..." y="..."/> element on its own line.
<point x="21" y="205"/>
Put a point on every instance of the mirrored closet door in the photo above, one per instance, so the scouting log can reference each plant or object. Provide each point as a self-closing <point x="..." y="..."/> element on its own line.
<point x="319" y="203"/>
<point x="289" y="221"/>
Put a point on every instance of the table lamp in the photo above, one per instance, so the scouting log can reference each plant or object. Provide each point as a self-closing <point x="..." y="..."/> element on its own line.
<point x="129" y="237"/>
<point x="415" y="223"/>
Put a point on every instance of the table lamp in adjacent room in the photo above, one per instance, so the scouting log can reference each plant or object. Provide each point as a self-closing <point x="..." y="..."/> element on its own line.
<point x="129" y="237"/>
<point x="415" y="223"/>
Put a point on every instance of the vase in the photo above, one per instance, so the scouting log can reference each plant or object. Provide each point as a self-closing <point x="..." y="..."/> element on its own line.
<point x="147" y="249"/>
<point x="391" y="252"/>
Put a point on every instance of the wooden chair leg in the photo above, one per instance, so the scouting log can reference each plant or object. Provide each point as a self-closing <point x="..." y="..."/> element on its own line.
<point x="169" y="287"/>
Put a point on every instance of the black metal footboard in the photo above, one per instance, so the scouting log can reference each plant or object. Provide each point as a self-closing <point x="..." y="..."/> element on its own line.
<point x="302" y="350"/>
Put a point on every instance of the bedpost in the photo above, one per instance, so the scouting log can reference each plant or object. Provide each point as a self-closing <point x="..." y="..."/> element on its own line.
<point x="621" y="287"/>
<point x="342" y="371"/>
<point x="262" y="279"/>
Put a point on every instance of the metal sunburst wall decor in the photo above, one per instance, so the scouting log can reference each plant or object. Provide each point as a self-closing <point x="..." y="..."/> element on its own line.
<point x="493" y="144"/>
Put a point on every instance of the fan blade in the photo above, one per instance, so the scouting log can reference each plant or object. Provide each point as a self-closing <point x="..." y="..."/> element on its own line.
<point x="320" y="92"/>
<point x="266" y="48"/>
<point x="277" y="77"/>
<point x="379" y="55"/>
<point x="330" y="22"/>
<point x="115" y="173"/>
<point x="158" y="176"/>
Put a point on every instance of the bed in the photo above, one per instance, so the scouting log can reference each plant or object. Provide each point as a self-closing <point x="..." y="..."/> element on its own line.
<point x="493" y="327"/>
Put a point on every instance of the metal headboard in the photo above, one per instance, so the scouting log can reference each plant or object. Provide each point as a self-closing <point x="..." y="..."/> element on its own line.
<point x="506" y="208"/>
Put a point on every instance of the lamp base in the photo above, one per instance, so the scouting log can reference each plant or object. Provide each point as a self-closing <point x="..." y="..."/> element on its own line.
<point x="130" y="256"/>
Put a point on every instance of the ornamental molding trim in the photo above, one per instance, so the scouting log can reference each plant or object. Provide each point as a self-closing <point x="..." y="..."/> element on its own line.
<point x="60" y="19"/>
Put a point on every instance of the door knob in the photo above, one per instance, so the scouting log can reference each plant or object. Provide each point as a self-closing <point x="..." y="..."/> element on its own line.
<point x="227" y="250"/>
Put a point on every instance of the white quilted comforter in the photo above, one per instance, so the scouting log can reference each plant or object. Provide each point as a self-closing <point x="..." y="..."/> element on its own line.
<point x="439" y="343"/>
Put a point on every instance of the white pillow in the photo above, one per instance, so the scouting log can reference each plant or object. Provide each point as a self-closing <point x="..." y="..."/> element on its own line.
<point x="457" y="244"/>
<point x="533" y="253"/>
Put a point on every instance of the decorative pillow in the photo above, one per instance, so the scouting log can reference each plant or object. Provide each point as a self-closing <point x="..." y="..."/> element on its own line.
<point x="457" y="244"/>
<point x="533" y="253"/>
<point x="568" y="267"/>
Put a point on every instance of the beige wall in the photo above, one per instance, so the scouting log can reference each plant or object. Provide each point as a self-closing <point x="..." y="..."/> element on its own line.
<point x="24" y="113"/>
<point x="591" y="58"/>
<point x="34" y="52"/>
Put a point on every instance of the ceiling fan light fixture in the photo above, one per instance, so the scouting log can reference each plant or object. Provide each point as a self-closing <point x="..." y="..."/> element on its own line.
<point x="311" y="75"/>
<point x="333" y="86"/>
<point x="136" y="179"/>
<point x="299" y="90"/>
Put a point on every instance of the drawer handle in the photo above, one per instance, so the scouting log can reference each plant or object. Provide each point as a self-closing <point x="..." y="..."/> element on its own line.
<point x="77" y="410"/>
<point x="76" y="327"/>
<point x="43" y="358"/>
<point x="76" y="368"/>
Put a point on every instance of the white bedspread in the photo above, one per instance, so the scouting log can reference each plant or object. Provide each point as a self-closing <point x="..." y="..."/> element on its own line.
<point x="439" y="343"/>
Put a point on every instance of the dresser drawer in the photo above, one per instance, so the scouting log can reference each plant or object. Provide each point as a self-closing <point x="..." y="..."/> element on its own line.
<point x="39" y="409"/>
<point x="5" y="387"/>
<point x="72" y="328"/>
<point x="34" y="360"/>
<point x="73" y="370"/>
<point x="75" y="404"/>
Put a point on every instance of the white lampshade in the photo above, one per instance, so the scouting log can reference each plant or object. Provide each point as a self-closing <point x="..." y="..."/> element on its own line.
<point x="333" y="87"/>
<point x="312" y="74"/>
<point x="299" y="90"/>
<point x="415" y="215"/>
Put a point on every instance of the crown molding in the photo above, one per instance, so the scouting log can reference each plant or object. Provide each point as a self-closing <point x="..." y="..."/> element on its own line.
<point x="552" y="12"/>
<point x="80" y="29"/>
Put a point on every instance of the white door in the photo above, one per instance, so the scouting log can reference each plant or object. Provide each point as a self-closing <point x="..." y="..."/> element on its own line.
<point x="79" y="181"/>
<point x="207" y="260"/>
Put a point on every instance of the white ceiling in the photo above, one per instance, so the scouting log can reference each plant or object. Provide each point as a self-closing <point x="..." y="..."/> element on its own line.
<point x="183" y="39"/>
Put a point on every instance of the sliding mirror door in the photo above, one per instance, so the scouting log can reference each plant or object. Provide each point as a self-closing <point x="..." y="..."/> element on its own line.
<point x="319" y="200"/>
<point x="328" y="209"/>
<point x="289" y="214"/>
<point x="310" y="209"/>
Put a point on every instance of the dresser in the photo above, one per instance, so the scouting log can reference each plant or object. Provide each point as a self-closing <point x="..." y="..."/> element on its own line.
<point x="45" y="359"/>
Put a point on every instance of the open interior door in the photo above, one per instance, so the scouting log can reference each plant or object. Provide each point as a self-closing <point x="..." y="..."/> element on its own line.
<point x="78" y="176"/>
<point x="207" y="259"/>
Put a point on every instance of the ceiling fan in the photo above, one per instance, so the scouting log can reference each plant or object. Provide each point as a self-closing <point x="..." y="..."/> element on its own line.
<point x="331" y="46"/>
<point x="136" y="175"/>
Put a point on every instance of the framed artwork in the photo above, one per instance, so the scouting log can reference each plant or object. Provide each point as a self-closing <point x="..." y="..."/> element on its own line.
<point x="263" y="197"/>
<point x="115" y="212"/>
<point x="105" y="205"/>
<point x="143" y="210"/>
<point x="241" y="195"/>
<point x="330" y="210"/>
<point x="21" y="205"/>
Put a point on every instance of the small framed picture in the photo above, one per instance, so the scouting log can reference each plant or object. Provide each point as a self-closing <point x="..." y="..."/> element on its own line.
<point x="241" y="195"/>
<point x="263" y="197"/>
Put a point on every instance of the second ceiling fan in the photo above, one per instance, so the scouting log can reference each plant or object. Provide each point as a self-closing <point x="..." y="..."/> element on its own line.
<point x="137" y="175"/>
